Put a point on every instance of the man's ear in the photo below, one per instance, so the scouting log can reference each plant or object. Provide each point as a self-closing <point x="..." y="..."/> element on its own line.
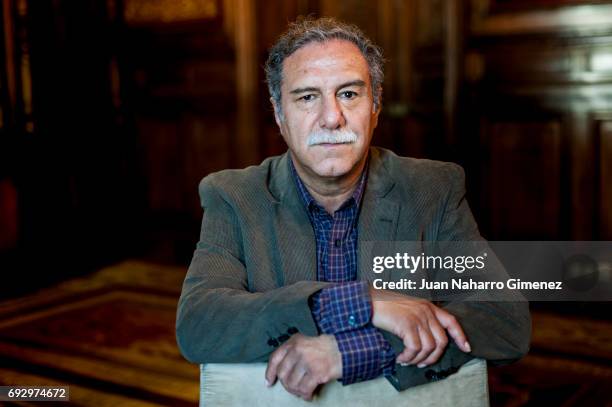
<point x="277" y="114"/>
<point x="377" y="107"/>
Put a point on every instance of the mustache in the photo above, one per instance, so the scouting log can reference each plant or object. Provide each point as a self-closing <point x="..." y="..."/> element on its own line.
<point x="331" y="137"/>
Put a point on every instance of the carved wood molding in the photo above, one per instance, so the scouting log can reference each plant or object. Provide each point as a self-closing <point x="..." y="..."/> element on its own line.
<point x="487" y="20"/>
<point x="169" y="11"/>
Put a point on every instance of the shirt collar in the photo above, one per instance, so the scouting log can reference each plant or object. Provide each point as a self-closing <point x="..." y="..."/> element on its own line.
<point x="310" y="202"/>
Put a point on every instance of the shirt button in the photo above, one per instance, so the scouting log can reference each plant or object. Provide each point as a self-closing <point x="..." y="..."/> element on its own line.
<point x="338" y="243"/>
<point x="352" y="321"/>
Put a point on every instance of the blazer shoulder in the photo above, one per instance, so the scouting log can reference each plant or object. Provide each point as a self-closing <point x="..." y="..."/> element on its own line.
<point x="421" y="171"/>
<point x="238" y="184"/>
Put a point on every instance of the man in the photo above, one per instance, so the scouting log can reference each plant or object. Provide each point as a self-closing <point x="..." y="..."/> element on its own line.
<point x="275" y="276"/>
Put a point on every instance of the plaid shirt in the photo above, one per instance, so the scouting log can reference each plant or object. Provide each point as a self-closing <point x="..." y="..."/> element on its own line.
<point x="345" y="309"/>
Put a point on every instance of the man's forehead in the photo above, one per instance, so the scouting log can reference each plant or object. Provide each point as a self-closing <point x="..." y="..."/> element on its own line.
<point x="329" y="58"/>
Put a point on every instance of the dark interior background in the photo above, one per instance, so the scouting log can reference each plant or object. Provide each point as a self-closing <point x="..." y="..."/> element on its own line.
<point x="111" y="111"/>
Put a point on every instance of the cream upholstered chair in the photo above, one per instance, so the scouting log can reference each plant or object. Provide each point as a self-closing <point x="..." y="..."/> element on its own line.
<point x="243" y="385"/>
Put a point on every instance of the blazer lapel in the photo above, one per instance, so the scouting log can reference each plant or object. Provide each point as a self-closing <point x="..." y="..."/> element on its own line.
<point x="378" y="218"/>
<point x="296" y="254"/>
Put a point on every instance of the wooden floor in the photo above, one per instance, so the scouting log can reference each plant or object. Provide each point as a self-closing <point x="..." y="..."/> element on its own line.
<point x="110" y="337"/>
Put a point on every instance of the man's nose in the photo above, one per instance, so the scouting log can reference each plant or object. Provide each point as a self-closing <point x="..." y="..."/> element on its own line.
<point x="332" y="116"/>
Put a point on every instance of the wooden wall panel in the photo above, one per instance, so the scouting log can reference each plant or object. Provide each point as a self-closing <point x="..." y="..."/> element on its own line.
<point x="605" y="180"/>
<point x="181" y="89"/>
<point x="177" y="155"/>
<point x="545" y="73"/>
<point x="9" y="228"/>
<point x="523" y="187"/>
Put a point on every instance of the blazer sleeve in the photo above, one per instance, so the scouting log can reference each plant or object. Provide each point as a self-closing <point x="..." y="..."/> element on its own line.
<point x="218" y="319"/>
<point x="498" y="331"/>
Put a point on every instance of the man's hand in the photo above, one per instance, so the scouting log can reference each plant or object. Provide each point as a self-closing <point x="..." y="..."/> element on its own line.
<point x="304" y="362"/>
<point x="419" y="323"/>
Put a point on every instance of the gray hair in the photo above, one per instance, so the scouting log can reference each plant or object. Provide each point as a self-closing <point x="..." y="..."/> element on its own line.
<point x="307" y="30"/>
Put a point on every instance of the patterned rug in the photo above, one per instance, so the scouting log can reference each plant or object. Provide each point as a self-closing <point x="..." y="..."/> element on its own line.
<point x="110" y="337"/>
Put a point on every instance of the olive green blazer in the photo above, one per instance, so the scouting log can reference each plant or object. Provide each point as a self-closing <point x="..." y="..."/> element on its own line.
<point x="254" y="267"/>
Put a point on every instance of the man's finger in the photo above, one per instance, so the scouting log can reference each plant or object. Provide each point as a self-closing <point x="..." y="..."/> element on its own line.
<point x="450" y="323"/>
<point x="428" y="345"/>
<point x="294" y="377"/>
<point x="412" y="344"/>
<point x="285" y="369"/>
<point x="307" y="386"/>
<point x="441" y="339"/>
<point x="273" y="363"/>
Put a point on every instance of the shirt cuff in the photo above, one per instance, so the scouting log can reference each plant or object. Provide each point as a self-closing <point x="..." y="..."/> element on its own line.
<point x="365" y="355"/>
<point x="342" y="307"/>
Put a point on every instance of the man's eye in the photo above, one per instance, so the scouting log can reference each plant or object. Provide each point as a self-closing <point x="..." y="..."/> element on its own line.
<point x="348" y="94"/>
<point x="307" y="98"/>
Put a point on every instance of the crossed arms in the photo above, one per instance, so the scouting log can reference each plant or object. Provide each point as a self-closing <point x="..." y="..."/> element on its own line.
<point x="221" y="320"/>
